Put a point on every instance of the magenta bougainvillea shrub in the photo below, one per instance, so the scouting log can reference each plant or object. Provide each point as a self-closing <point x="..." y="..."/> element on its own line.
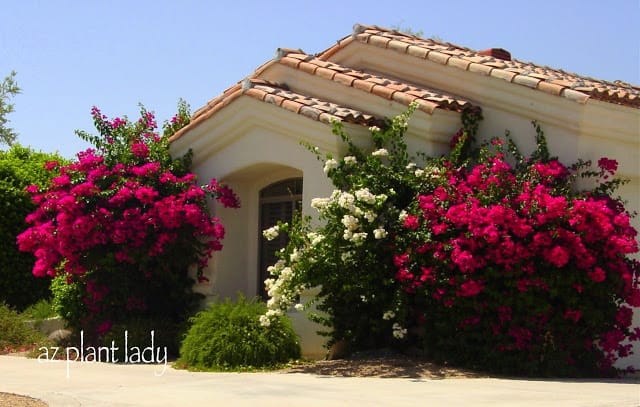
<point x="122" y="224"/>
<point x="508" y="266"/>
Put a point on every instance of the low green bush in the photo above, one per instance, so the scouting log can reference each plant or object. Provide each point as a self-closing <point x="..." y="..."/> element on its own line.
<point x="15" y="334"/>
<point x="39" y="311"/>
<point x="229" y="336"/>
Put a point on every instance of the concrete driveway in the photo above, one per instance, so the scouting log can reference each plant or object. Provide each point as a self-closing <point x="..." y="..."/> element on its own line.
<point x="106" y="384"/>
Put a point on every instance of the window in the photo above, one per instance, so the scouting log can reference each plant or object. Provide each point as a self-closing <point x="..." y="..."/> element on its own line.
<point x="278" y="202"/>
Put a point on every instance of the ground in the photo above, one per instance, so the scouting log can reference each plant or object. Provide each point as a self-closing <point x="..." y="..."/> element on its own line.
<point x="383" y="365"/>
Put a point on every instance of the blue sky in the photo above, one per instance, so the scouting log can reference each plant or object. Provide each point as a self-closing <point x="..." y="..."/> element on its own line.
<point x="71" y="55"/>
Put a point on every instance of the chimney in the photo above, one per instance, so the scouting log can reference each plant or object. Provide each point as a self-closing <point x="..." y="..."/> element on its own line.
<point x="498" y="53"/>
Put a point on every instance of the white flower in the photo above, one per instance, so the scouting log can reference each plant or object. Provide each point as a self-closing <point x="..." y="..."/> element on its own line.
<point x="363" y="195"/>
<point x="418" y="172"/>
<point x="369" y="216"/>
<point x="298" y="307"/>
<point x="271" y="233"/>
<point x="286" y="273"/>
<point x="346" y="256"/>
<point x="359" y="237"/>
<point x="265" y="321"/>
<point x="363" y="298"/>
<point x="350" y="160"/>
<point x="383" y="197"/>
<point x="315" y="238"/>
<point x="319" y="203"/>
<point x="295" y="256"/>
<point x="347" y="235"/>
<point x="346" y="200"/>
<point x="403" y="215"/>
<point x="374" y="129"/>
<point x="388" y="315"/>
<point x="329" y="165"/>
<point x="350" y="222"/>
<point x="273" y="313"/>
<point x="398" y="331"/>
<point x="379" y="233"/>
<point x="380" y="153"/>
<point x="410" y="166"/>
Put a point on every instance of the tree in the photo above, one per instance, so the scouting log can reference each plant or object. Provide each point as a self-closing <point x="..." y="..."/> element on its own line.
<point x="8" y="89"/>
<point x="19" y="167"/>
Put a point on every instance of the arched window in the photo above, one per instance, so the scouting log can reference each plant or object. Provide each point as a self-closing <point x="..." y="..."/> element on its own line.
<point x="278" y="202"/>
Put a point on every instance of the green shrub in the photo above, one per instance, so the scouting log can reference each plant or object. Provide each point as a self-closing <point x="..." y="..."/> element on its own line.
<point x="19" y="168"/>
<point x="39" y="311"/>
<point x="229" y="335"/>
<point x="15" y="334"/>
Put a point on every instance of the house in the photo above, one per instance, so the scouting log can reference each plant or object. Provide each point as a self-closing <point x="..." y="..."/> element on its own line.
<point x="249" y="137"/>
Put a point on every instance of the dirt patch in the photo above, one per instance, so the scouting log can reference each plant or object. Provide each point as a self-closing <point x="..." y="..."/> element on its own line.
<point x="16" y="400"/>
<point x="383" y="365"/>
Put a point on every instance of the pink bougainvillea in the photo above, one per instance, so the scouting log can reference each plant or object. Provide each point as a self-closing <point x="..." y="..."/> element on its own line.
<point x="516" y="248"/>
<point x="126" y="205"/>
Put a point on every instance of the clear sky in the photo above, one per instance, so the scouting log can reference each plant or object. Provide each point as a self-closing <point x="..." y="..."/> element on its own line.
<point x="71" y="55"/>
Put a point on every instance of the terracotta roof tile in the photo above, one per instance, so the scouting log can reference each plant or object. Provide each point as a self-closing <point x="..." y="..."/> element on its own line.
<point x="514" y="71"/>
<point x="377" y="85"/>
<point x="281" y="96"/>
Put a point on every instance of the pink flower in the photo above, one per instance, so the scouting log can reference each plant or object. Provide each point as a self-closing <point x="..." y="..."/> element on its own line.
<point x="608" y="165"/>
<point x="411" y="222"/>
<point x="470" y="288"/>
<point x="140" y="150"/>
<point x="558" y="256"/>
<point x="146" y="195"/>
<point x="51" y="165"/>
<point x="597" y="275"/>
<point x="104" y="327"/>
<point x="573" y="315"/>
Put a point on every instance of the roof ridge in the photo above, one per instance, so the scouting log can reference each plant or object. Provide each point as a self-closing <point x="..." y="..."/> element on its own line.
<point x="549" y="80"/>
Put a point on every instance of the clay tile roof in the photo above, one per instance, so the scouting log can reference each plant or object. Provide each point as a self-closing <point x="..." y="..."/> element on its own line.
<point x="402" y="92"/>
<point x="281" y="96"/>
<point x="545" y="79"/>
<point x="311" y="107"/>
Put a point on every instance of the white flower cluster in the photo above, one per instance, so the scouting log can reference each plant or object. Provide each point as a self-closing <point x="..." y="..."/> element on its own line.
<point x="329" y="165"/>
<point x="350" y="222"/>
<point x="388" y="315"/>
<point x="315" y="238"/>
<point x="379" y="233"/>
<point x="350" y="160"/>
<point x="271" y="233"/>
<point x="363" y="195"/>
<point x="429" y="171"/>
<point x="398" y="331"/>
<point x="280" y="298"/>
<point x="380" y="153"/>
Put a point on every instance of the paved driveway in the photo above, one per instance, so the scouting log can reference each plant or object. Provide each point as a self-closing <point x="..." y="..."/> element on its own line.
<point x="105" y="384"/>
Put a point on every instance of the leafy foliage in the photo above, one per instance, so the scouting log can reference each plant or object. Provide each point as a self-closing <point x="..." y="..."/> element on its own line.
<point x="229" y="336"/>
<point x="19" y="167"/>
<point x="15" y="334"/>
